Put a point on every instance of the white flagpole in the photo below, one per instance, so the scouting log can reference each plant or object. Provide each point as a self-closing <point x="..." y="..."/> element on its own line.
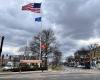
<point x="41" y="35"/>
<point x="40" y="45"/>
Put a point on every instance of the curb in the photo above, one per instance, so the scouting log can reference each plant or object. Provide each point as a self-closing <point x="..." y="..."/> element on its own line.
<point x="13" y="73"/>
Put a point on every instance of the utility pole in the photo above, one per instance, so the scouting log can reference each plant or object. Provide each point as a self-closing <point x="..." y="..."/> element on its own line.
<point x="1" y="45"/>
<point x="2" y="39"/>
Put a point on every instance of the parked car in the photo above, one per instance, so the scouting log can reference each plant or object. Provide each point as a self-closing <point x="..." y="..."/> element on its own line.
<point x="10" y="67"/>
<point x="80" y="66"/>
<point x="7" y="68"/>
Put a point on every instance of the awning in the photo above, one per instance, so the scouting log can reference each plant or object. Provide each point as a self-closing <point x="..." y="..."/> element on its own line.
<point x="30" y="61"/>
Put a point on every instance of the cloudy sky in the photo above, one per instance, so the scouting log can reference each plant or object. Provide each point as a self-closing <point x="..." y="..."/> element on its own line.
<point x="75" y="22"/>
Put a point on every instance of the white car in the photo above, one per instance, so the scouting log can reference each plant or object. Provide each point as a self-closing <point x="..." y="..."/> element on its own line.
<point x="7" y="68"/>
<point x="80" y="66"/>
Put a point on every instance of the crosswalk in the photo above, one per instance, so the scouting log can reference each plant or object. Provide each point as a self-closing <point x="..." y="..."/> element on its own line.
<point x="67" y="69"/>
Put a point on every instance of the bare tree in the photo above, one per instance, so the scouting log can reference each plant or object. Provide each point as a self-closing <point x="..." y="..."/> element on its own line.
<point x="25" y="50"/>
<point x="57" y="58"/>
<point x="82" y="51"/>
<point x="47" y="39"/>
<point x="68" y="60"/>
<point x="48" y="42"/>
<point x="93" y="48"/>
<point x="48" y="45"/>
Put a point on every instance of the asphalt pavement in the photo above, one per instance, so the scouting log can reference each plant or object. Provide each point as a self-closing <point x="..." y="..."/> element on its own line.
<point x="67" y="74"/>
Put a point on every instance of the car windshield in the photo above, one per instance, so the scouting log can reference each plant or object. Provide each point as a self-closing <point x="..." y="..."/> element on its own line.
<point x="9" y="65"/>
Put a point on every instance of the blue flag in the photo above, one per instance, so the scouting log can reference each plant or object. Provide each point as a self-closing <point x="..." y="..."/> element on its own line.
<point x="38" y="19"/>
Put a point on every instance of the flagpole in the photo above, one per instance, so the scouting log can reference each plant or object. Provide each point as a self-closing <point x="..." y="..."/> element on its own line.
<point x="41" y="35"/>
<point x="40" y="56"/>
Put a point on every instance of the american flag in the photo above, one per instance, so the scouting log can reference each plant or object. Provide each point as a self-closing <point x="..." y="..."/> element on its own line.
<point x="33" y="7"/>
<point x="43" y="46"/>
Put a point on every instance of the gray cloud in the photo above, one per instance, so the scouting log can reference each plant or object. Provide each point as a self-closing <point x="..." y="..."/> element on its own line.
<point x="78" y="20"/>
<point x="15" y="24"/>
<point x="71" y="20"/>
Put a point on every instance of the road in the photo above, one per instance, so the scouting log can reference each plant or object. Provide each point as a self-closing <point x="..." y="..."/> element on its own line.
<point x="49" y="75"/>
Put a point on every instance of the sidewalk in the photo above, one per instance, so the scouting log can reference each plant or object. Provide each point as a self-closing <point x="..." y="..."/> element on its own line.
<point x="80" y="70"/>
